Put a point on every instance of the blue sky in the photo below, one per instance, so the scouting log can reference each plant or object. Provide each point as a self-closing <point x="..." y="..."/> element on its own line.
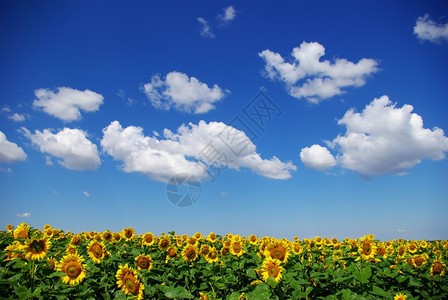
<point x="104" y="101"/>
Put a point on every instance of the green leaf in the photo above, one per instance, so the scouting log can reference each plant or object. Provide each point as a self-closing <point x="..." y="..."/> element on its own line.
<point x="380" y="292"/>
<point x="415" y="282"/>
<point x="57" y="274"/>
<point x="177" y="292"/>
<point x="234" y="296"/>
<point x="251" y="273"/>
<point x="14" y="279"/>
<point x="23" y="293"/>
<point x="342" y="279"/>
<point x="119" y="295"/>
<point x="260" y="292"/>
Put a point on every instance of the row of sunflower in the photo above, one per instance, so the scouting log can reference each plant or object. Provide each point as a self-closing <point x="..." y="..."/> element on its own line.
<point x="53" y="264"/>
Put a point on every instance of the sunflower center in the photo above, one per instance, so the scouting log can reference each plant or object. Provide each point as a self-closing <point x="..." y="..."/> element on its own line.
<point x="131" y="284"/>
<point x="37" y="246"/>
<point x="401" y="251"/>
<point x="22" y="234"/>
<point x="164" y="243"/>
<point x="172" y="253"/>
<point x="418" y="261"/>
<point x="128" y="234"/>
<point x="236" y="248"/>
<point x="437" y="268"/>
<point x="148" y="239"/>
<point x="273" y="271"/>
<point x="278" y="253"/>
<point x="97" y="251"/>
<point x="213" y="255"/>
<point x="73" y="269"/>
<point x="367" y="249"/>
<point x="143" y="262"/>
<point x="191" y="254"/>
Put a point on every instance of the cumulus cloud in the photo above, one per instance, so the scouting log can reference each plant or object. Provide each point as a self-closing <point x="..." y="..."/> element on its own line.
<point x="24" y="215"/>
<point x="206" y="30"/>
<point x="161" y="158"/>
<point x="17" y="117"/>
<point x="67" y="103"/>
<point x="427" y="29"/>
<point x="70" y="146"/>
<point x="384" y="139"/>
<point x="183" y="93"/>
<point x="228" y="15"/>
<point x="317" y="157"/>
<point x="308" y="77"/>
<point x="86" y="194"/>
<point x="10" y="152"/>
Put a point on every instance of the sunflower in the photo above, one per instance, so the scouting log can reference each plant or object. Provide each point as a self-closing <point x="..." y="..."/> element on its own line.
<point x="36" y="249"/>
<point x="278" y="250"/>
<point x="179" y="242"/>
<point x="401" y="251"/>
<point x="418" y="260"/>
<point x="367" y="249"/>
<point x="48" y="233"/>
<point x="412" y="248"/>
<point x="212" y="256"/>
<point x="143" y="262"/>
<point x="164" y="243"/>
<point x="76" y="240"/>
<point x="128" y="233"/>
<point x="236" y="249"/>
<point x="197" y="235"/>
<point x="438" y="268"/>
<point x="224" y="251"/>
<point x="172" y="253"/>
<point x="203" y="296"/>
<point x="21" y="232"/>
<point x="192" y="241"/>
<point x="296" y="248"/>
<point x="400" y="296"/>
<point x="71" y="250"/>
<point x="211" y="237"/>
<point x="73" y="267"/>
<point x="107" y="236"/>
<point x="116" y="237"/>
<point x="271" y="268"/>
<point x="190" y="253"/>
<point x="12" y="251"/>
<point x="318" y="240"/>
<point x="253" y="239"/>
<point x="148" y="239"/>
<point x="128" y="282"/>
<point x="96" y="251"/>
<point x="10" y="228"/>
<point x="205" y="249"/>
<point x="51" y="262"/>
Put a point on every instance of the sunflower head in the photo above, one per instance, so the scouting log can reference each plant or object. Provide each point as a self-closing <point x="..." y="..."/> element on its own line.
<point x="198" y="235"/>
<point x="76" y="240"/>
<point x="224" y="251"/>
<point x="96" y="251"/>
<point x="128" y="233"/>
<point x="143" y="262"/>
<point x="400" y="296"/>
<point x="278" y="250"/>
<point x="205" y="249"/>
<point x="253" y="239"/>
<point x="236" y="249"/>
<point x="212" y="256"/>
<point x="367" y="249"/>
<point x="211" y="237"/>
<point x="116" y="237"/>
<point x="10" y="228"/>
<point x="128" y="281"/>
<point x="148" y="239"/>
<point x="36" y="249"/>
<point x="12" y="251"/>
<point x="190" y="253"/>
<point x="271" y="268"/>
<point x="164" y="243"/>
<point x="72" y="265"/>
<point x="21" y="232"/>
<point x="296" y="248"/>
<point x="438" y="268"/>
<point x="107" y="236"/>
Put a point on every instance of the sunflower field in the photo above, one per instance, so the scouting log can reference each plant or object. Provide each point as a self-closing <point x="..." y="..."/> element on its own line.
<point x="53" y="264"/>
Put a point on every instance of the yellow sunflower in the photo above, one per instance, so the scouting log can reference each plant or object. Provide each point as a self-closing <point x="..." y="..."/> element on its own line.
<point x="116" y="237"/>
<point x="205" y="249"/>
<point x="96" y="251"/>
<point x="128" y="233"/>
<point x="296" y="248"/>
<point x="400" y="296"/>
<point x="253" y="239"/>
<point x="164" y="243"/>
<point x="143" y="262"/>
<point x="73" y="267"/>
<point x="192" y="241"/>
<point x="148" y="239"/>
<point x="211" y="237"/>
<point x="190" y="253"/>
<point x="71" y="250"/>
<point x="10" y="228"/>
<point x="197" y="235"/>
<point x="107" y="236"/>
<point x="438" y="268"/>
<point x="367" y="249"/>
<point x="212" y="256"/>
<point x="224" y="251"/>
<point x="271" y="268"/>
<point x="128" y="281"/>
<point x="21" y="232"/>
<point x="236" y="249"/>
<point x="172" y="253"/>
<point x="203" y="296"/>
<point x="412" y="248"/>
<point x="36" y="249"/>
<point x="278" y="250"/>
<point x="12" y="251"/>
<point x="76" y="240"/>
<point x="418" y="260"/>
<point x="51" y="262"/>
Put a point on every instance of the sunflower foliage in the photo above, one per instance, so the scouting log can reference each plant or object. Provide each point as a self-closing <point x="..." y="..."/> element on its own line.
<point x="53" y="264"/>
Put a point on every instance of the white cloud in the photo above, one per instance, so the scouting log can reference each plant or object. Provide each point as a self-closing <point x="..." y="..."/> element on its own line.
<point x="67" y="103"/>
<point x="224" y="194"/>
<point x="86" y="194"/>
<point x="8" y="170"/>
<point x="24" y="215"/>
<point x="5" y="109"/>
<point x="48" y="161"/>
<point x="160" y="159"/>
<point x="401" y="230"/>
<point x="10" y="152"/>
<point x="71" y="146"/>
<point x="206" y="29"/>
<point x="228" y="15"/>
<point x="182" y="92"/>
<point x="427" y="29"/>
<point x="17" y="117"/>
<point x="317" y="157"/>
<point x="308" y="77"/>
<point x="385" y="139"/>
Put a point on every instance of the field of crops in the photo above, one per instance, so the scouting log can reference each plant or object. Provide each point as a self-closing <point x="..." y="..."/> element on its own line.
<point x="52" y="264"/>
